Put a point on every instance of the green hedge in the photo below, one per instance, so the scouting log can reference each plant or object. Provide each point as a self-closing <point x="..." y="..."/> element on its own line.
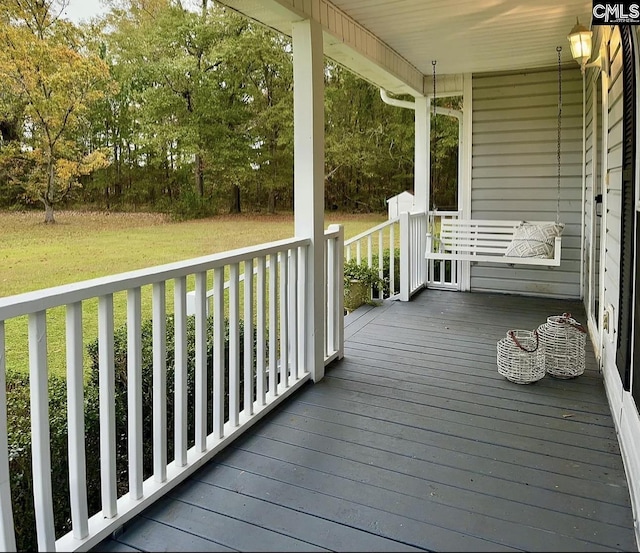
<point x="19" y="429"/>
<point x="20" y="468"/>
<point x="120" y="354"/>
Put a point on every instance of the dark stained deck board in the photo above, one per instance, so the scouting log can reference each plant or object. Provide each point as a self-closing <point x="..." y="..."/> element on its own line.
<point x="218" y="527"/>
<point x="410" y="430"/>
<point x="113" y="546"/>
<point x="144" y="534"/>
<point x="363" y="316"/>
<point x="265" y="513"/>
<point x="414" y="442"/>
<point x="360" y="505"/>
<point x="492" y="474"/>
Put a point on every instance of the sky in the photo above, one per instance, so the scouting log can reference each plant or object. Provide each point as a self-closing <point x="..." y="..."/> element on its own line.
<point x="79" y="10"/>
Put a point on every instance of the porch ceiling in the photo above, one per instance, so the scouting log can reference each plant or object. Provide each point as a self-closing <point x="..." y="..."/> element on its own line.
<point x="393" y="42"/>
<point x="472" y="35"/>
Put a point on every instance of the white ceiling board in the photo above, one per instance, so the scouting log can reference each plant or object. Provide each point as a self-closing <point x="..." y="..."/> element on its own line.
<point x="472" y="35"/>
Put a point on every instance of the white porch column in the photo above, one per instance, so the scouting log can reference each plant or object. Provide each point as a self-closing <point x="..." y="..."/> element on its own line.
<point x="422" y="173"/>
<point x="308" y="117"/>
<point x="422" y="158"/>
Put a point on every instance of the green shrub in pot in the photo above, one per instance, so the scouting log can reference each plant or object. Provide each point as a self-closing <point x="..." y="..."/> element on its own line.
<point x="359" y="279"/>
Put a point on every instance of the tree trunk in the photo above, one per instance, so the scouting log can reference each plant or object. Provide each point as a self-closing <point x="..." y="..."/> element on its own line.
<point x="272" y="202"/>
<point x="117" y="187"/>
<point x="49" y="219"/>
<point x="199" y="174"/>
<point x="47" y="197"/>
<point x="235" y="200"/>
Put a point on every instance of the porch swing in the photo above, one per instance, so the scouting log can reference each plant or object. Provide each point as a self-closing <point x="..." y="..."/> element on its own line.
<point x="498" y="241"/>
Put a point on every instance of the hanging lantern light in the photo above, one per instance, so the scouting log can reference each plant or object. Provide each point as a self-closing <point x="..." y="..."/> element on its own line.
<point x="580" y="41"/>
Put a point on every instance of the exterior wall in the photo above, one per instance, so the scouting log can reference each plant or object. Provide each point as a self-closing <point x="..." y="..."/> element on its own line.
<point x="612" y="196"/>
<point x="592" y="140"/>
<point x="514" y="170"/>
<point x="623" y="407"/>
<point x="595" y="216"/>
<point x="593" y="162"/>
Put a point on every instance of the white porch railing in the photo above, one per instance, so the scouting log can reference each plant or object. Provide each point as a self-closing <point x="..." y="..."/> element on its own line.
<point x="413" y="265"/>
<point x="274" y="299"/>
<point x="334" y="294"/>
<point x="272" y="306"/>
<point x="396" y="249"/>
<point x="377" y="247"/>
<point x="442" y="274"/>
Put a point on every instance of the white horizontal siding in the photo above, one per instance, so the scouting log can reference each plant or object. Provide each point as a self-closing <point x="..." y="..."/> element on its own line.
<point x="514" y="170"/>
<point x="611" y="255"/>
<point x="493" y="137"/>
<point x="591" y="244"/>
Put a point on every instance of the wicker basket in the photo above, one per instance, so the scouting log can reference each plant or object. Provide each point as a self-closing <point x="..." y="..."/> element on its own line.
<point x="520" y="359"/>
<point x="563" y="340"/>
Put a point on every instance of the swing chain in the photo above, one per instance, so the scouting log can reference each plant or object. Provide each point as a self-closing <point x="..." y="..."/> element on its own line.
<point x="559" y="50"/>
<point x="435" y="129"/>
<point x="433" y="63"/>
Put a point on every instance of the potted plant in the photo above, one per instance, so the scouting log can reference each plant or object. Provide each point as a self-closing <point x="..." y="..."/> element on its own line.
<point x="359" y="279"/>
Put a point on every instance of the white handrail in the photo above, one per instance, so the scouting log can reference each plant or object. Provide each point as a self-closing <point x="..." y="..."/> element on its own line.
<point x="40" y="300"/>
<point x="371" y="231"/>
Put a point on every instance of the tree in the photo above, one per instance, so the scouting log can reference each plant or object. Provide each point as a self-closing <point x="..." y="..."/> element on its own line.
<point x="266" y="57"/>
<point x="369" y="145"/>
<point x="43" y="67"/>
<point x="191" y="107"/>
<point x="444" y="156"/>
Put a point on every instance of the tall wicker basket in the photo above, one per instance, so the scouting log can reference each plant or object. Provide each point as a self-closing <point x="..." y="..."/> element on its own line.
<point x="563" y="340"/>
<point x="520" y="359"/>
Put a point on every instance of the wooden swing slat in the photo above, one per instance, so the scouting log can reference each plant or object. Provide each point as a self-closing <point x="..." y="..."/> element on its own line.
<point x="485" y="241"/>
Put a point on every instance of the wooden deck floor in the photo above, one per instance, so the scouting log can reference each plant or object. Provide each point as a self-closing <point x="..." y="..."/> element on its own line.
<point x="414" y="442"/>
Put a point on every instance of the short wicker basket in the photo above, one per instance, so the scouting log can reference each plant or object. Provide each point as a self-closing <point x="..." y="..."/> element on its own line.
<point x="563" y="341"/>
<point x="520" y="359"/>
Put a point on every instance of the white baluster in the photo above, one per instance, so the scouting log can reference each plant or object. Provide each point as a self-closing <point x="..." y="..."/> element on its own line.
<point x="331" y="296"/>
<point x="293" y="312"/>
<point x="201" y="362"/>
<point x="75" y="418"/>
<point x="234" y="345"/>
<point x="7" y="534"/>
<point x="180" y="385"/>
<point x="261" y="325"/>
<point x="218" y="353"/>
<point x="380" y="264"/>
<point x="107" y="407"/>
<point x="392" y="260"/>
<point x="248" y="337"/>
<point x="40" y="444"/>
<point x="159" y="382"/>
<point x="302" y="308"/>
<point x="273" y="325"/>
<point x="284" y="320"/>
<point x="134" y="391"/>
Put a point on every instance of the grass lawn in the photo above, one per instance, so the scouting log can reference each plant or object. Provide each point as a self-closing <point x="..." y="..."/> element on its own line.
<point x="85" y="245"/>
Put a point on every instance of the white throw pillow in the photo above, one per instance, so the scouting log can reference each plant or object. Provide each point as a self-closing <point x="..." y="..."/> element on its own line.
<point x="534" y="240"/>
